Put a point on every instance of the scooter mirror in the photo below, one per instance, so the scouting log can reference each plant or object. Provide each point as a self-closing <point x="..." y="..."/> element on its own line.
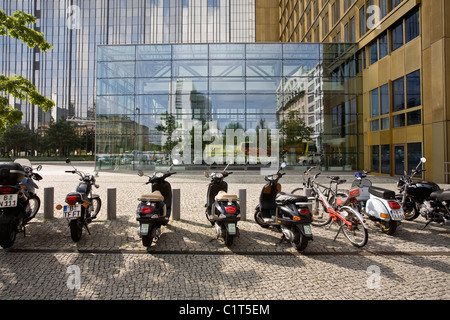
<point x="283" y="165"/>
<point x="67" y="160"/>
<point x="175" y="161"/>
<point x="140" y="173"/>
<point x="206" y="174"/>
<point x="423" y="160"/>
<point x="38" y="168"/>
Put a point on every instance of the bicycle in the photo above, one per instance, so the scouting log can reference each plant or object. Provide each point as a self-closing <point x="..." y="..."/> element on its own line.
<point x="331" y="206"/>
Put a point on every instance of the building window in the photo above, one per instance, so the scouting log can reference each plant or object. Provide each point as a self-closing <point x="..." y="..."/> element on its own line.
<point x="412" y="26"/>
<point x="375" y="159"/>
<point x="386" y="159"/>
<point x="397" y="35"/>
<point x="385" y="123"/>
<point x="383" y="40"/>
<point x="375" y="125"/>
<point x="399" y="120"/>
<point x="414" y="155"/>
<point x="362" y="21"/>
<point x="374" y="103"/>
<point x="414" y="117"/>
<point x="413" y="96"/>
<point x="384" y="99"/>
<point x="373" y="52"/>
<point x="398" y="94"/>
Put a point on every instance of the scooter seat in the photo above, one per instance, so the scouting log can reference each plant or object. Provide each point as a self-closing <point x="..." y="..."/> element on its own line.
<point x="286" y="198"/>
<point x="382" y="193"/>
<point x="223" y="196"/>
<point x="441" y="195"/>
<point x="153" y="197"/>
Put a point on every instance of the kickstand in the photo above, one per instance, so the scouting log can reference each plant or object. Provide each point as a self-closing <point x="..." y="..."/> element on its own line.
<point x="87" y="229"/>
<point x="339" y="230"/>
<point x="426" y="224"/>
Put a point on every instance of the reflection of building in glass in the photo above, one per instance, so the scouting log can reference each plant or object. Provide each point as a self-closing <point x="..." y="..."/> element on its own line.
<point x="255" y="88"/>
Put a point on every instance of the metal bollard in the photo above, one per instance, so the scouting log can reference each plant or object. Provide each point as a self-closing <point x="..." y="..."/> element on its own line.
<point x="49" y="199"/>
<point x="243" y="203"/>
<point x="176" y="204"/>
<point x="112" y="208"/>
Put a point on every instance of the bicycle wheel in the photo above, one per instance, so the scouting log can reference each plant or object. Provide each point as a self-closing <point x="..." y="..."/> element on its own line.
<point x="320" y="215"/>
<point x="357" y="234"/>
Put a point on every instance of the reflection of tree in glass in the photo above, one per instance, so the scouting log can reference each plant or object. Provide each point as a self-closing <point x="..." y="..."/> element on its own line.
<point x="168" y="127"/>
<point x="294" y="130"/>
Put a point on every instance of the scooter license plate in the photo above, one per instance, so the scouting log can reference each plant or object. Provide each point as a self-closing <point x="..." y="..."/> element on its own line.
<point x="307" y="229"/>
<point x="144" y="229"/>
<point x="72" y="212"/>
<point x="397" y="215"/>
<point x="232" y="228"/>
<point x="8" y="200"/>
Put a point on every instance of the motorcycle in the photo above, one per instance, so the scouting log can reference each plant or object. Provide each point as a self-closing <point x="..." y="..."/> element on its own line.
<point x="19" y="203"/>
<point x="424" y="198"/>
<point x="413" y="194"/>
<point x="378" y="203"/>
<point x="82" y="205"/>
<point x="222" y="208"/>
<point x="288" y="212"/>
<point x="154" y="209"/>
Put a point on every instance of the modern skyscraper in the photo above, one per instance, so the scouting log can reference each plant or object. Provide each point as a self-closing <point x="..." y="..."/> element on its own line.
<point x="67" y="74"/>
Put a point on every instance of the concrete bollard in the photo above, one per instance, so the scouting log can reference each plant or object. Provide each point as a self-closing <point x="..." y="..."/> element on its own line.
<point x="243" y="203"/>
<point x="112" y="206"/>
<point x="176" y="204"/>
<point x="49" y="199"/>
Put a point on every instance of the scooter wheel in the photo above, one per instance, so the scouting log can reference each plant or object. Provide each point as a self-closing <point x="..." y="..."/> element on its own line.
<point x="147" y="240"/>
<point x="7" y="235"/>
<point x="259" y="220"/>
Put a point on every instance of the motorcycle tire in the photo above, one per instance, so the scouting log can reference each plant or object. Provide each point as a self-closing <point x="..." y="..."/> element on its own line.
<point x="7" y="235"/>
<point x="35" y="204"/>
<point x="76" y="230"/>
<point x="411" y="213"/>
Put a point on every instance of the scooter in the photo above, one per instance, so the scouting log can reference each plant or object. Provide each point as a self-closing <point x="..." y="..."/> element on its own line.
<point x="154" y="209"/>
<point x="288" y="212"/>
<point x="378" y="203"/>
<point x="82" y="205"/>
<point x="222" y="208"/>
<point x="19" y="203"/>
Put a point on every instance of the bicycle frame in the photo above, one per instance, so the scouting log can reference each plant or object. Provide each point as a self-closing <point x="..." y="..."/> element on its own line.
<point x="335" y="215"/>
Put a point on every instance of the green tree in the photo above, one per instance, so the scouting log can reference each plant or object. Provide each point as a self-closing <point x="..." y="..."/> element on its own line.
<point x="61" y="137"/>
<point x="18" y="86"/>
<point x="168" y="129"/>
<point x="19" y="138"/>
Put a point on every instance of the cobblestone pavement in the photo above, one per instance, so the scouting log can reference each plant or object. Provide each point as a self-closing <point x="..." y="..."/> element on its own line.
<point x="188" y="262"/>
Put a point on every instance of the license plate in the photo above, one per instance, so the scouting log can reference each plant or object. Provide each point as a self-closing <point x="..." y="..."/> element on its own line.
<point x="144" y="229"/>
<point x="8" y="200"/>
<point x="397" y="215"/>
<point x="307" y="229"/>
<point x="72" y="212"/>
<point x="231" y="228"/>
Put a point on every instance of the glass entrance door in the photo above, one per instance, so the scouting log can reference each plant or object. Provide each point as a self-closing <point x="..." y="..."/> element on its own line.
<point x="399" y="153"/>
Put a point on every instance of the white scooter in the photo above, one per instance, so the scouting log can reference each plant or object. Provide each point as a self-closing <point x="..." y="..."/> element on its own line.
<point x="379" y="204"/>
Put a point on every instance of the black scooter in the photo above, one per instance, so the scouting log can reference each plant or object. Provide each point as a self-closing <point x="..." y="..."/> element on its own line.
<point x="289" y="212"/>
<point x="154" y="209"/>
<point x="18" y="202"/>
<point x="82" y="205"/>
<point x="222" y="208"/>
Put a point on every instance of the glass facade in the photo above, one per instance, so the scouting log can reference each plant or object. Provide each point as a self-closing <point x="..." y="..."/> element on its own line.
<point x="67" y="74"/>
<point x="157" y="102"/>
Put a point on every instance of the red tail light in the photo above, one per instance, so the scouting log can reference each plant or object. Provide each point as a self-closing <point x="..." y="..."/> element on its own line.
<point x="146" y="210"/>
<point x="6" y="190"/>
<point x="71" y="200"/>
<point x="230" y="209"/>
<point x="394" y="205"/>
<point x="303" y="211"/>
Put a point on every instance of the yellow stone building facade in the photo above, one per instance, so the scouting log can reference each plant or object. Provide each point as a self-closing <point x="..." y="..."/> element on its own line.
<point x="403" y="57"/>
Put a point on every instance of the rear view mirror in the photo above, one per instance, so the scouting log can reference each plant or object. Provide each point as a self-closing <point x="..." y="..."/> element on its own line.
<point x="423" y="160"/>
<point x="140" y="173"/>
